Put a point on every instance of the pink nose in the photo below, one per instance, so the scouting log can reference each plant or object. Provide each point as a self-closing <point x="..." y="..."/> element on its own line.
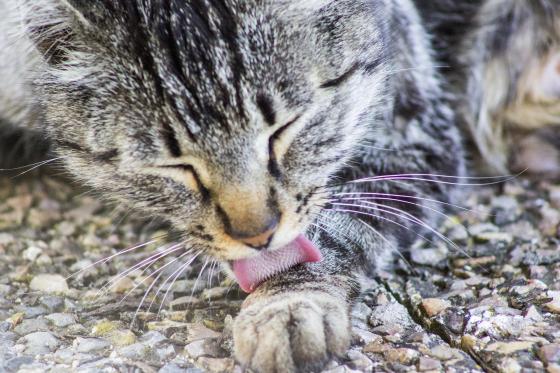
<point x="260" y="240"/>
<point x="256" y="240"/>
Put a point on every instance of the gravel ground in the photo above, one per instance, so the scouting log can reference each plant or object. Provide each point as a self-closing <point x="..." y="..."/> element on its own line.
<point x="490" y="304"/>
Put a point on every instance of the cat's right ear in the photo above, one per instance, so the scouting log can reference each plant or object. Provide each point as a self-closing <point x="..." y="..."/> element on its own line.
<point x="58" y="27"/>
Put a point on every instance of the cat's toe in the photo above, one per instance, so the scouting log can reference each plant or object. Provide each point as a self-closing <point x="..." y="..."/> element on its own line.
<point x="293" y="333"/>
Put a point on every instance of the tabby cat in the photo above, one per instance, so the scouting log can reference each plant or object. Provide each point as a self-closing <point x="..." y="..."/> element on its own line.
<point x="298" y="142"/>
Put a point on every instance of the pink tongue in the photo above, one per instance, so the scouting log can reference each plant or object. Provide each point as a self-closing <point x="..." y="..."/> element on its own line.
<point x="252" y="271"/>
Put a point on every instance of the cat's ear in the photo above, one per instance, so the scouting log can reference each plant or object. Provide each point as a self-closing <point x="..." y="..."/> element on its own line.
<point x="57" y="27"/>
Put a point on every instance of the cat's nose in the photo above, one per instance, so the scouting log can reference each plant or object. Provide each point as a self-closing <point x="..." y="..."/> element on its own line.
<point x="256" y="237"/>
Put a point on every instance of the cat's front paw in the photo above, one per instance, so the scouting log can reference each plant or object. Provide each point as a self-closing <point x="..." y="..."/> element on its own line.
<point x="292" y="332"/>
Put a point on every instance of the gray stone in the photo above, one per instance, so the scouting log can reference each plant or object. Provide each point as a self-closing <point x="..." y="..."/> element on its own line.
<point x="138" y="351"/>
<point x="32" y="253"/>
<point x="215" y="293"/>
<point x="550" y="354"/>
<point x="166" y="352"/>
<point x="61" y="320"/>
<point x="478" y="229"/>
<point x="173" y="368"/>
<point x="363" y="337"/>
<point x="89" y="345"/>
<point x="215" y="365"/>
<point x="52" y="303"/>
<point x="196" y="349"/>
<point x="360" y="315"/>
<point x="14" y="364"/>
<point x="427" y="364"/>
<point x="358" y="360"/>
<point x="64" y="356"/>
<point x="152" y="338"/>
<point x="32" y="312"/>
<point x="429" y="256"/>
<point x="41" y="343"/>
<point x="30" y="326"/>
<point x="49" y="283"/>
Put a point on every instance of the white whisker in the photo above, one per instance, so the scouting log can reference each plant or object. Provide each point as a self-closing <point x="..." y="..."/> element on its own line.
<point x="107" y="259"/>
<point x="146" y="262"/>
<point x="40" y="164"/>
<point x="186" y="265"/>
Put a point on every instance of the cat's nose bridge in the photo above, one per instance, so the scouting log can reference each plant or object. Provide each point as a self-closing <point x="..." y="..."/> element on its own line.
<point x="249" y="216"/>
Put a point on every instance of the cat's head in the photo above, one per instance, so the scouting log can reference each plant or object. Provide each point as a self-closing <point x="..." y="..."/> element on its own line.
<point x="225" y="117"/>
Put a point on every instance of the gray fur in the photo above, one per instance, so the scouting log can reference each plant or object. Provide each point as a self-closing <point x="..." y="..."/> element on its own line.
<point x="166" y="110"/>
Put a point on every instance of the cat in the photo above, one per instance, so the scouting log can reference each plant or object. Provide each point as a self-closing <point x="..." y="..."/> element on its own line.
<point x="503" y="59"/>
<point x="298" y="142"/>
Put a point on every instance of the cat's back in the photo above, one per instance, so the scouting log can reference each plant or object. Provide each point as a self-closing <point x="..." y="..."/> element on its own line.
<point x="18" y="60"/>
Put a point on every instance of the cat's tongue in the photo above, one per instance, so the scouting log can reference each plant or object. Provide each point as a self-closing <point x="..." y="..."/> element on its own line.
<point x="252" y="271"/>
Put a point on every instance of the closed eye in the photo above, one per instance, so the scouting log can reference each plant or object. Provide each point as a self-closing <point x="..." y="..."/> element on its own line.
<point x="341" y="79"/>
<point x="273" y="166"/>
<point x="193" y="178"/>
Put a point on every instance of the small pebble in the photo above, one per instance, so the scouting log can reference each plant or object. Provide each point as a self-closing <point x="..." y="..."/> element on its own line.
<point x="32" y="253"/>
<point x="426" y="364"/>
<point x="404" y="356"/>
<point x="41" y="342"/>
<point x="88" y="345"/>
<point x="434" y="306"/>
<point x="61" y="320"/>
<point x="550" y="354"/>
<point x="49" y="284"/>
<point x="442" y="352"/>
<point x="215" y="365"/>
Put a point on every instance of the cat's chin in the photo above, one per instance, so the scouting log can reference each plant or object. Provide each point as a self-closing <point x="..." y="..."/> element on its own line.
<point x="253" y="271"/>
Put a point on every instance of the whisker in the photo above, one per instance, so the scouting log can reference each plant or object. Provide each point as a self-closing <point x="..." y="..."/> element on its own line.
<point x="40" y="164"/>
<point x="404" y="196"/>
<point x="366" y="200"/>
<point x="389" y="243"/>
<point x="377" y="148"/>
<point x="385" y="219"/>
<point x="425" y="177"/>
<point x="37" y="164"/>
<point x="198" y="277"/>
<point x="146" y="262"/>
<point x="409" y="217"/>
<point x="211" y="274"/>
<point x="160" y="271"/>
<point x="146" y="293"/>
<point x="107" y="259"/>
<point x="175" y="276"/>
<point x="180" y="270"/>
<point x="151" y="274"/>
<point x="345" y="236"/>
<point x="399" y="178"/>
<point x="330" y="231"/>
<point x="393" y="72"/>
